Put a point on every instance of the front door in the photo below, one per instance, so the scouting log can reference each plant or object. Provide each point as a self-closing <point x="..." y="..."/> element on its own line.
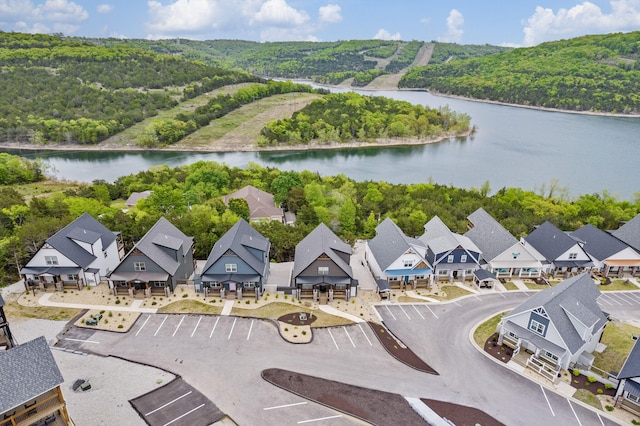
<point x="232" y="286"/>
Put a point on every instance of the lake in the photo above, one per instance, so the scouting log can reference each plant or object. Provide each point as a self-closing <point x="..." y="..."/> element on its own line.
<point x="513" y="147"/>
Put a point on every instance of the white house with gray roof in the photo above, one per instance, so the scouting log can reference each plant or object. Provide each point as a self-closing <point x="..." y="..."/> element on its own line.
<point x="397" y="259"/>
<point x="628" y="392"/>
<point x="160" y="261"/>
<point x="558" y="252"/>
<point x="238" y="263"/>
<point x="503" y="255"/>
<point x="30" y="382"/>
<point x="560" y="326"/>
<point x="81" y="253"/>
<point x="321" y="266"/>
<point x="629" y="233"/>
<point x="610" y="255"/>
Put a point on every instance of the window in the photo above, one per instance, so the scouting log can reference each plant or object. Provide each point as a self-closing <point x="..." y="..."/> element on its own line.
<point x="215" y="284"/>
<point x="323" y="270"/>
<point x="408" y="263"/>
<point x="450" y="258"/>
<point x="420" y="277"/>
<point x="634" y="398"/>
<point x="104" y="253"/>
<point x="156" y="284"/>
<point x="463" y="258"/>
<point x="536" y="327"/>
<point x="139" y="266"/>
<point x="512" y="335"/>
<point x="51" y="260"/>
<point x="394" y="278"/>
<point x="442" y="273"/>
<point x="231" y="267"/>
<point x="550" y="355"/>
<point x="72" y="277"/>
<point x="515" y="255"/>
<point x="249" y="284"/>
<point x="573" y="255"/>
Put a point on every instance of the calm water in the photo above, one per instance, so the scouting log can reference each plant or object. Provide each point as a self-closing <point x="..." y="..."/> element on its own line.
<point x="514" y="147"/>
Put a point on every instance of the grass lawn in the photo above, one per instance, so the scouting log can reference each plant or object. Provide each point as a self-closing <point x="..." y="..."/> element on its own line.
<point x="619" y="285"/>
<point x="510" y="285"/>
<point x="15" y="310"/>
<point x="275" y="310"/>
<point x="47" y="187"/>
<point x="486" y="329"/>
<point x="588" y="398"/>
<point x="451" y="292"/>
<point x="409" y="299"/>
<point x="617" y="337"/>
<point x="191" y="306"/>
<point x="533" y="286"/>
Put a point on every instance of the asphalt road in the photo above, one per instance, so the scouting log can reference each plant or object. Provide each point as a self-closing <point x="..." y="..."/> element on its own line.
<point x="222" y="357"/>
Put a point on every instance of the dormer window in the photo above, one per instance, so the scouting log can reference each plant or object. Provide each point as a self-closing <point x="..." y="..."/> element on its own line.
<point x="573" y="256"/>
<point x="408" y="263"/>
<point x="51" y="260"/>
<point x="450" y="258"/>
<point x="463" y="258"/>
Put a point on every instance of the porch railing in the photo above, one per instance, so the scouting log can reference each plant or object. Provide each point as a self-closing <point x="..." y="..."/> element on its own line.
<point x="546" y="370"/>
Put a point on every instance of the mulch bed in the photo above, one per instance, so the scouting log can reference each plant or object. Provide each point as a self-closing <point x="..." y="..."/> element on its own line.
<point x="399" y="350"/>
<point x="294" y="318"/>
<point x="502" y="353"/>
<point x="582" y="382"/>
<point x="461" y="415"/>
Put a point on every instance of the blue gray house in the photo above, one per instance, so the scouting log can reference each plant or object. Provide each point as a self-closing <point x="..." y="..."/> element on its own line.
<point x="452" y="256"/>
<point x="160" y="261"/>
<point x="321" y="268"/>
<point x="628" y="393"/>
<point x="629" y="233"/>
<point x="238" y="263"/>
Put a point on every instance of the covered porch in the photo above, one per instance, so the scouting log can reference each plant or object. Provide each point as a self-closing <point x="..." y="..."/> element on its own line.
<point x="324" y="288"/>
<point x="232" y="286"/>
<point x="569" y="268"/>
<point x="403" y="279"/>
<point x="621" y="267"/>
<point x="53" y="278"/>
<point x="516" y="269"/>
<point x="140" y="284"/>
<point x="484" y="279"/>
<point x="628" y="396"/>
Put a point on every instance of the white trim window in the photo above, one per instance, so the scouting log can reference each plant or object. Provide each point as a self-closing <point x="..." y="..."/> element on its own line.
<point x="248" y="284"/>
<point x="323" y="270"/>
<point x="443" y="273"/>
<point x="634" y="398"/>
<point x="231" y="267"/>
<point x="139" y="266"/>
<point x="450" y="258"/>
<point x="408" y="263"/>
<point x="51" y="260"/>
<point x="573" y="256"/>
<point x="463" y="258"/>
<point x="536" y="327"/>
<point x="157" y="284"/>
<point x="72" y="277"/>
<point x="550" y="356"/>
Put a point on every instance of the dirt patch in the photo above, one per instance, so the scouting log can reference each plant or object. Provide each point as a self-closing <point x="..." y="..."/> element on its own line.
<point x="500" y="352"/>
<point x="399" y="350"/>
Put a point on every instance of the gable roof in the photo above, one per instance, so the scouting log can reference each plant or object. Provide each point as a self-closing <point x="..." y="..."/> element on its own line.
<point x="550" y="241"/>
<point x="390" y="243"/>
<point x="629" y="233"/>
<point x="576" y="296"/>
<point x="598" y="243"/>
<point x="261" y="204"/>
<point x="321" y="240"/>
<point x="631" y="366"/>
<point x="164" y="234"/>
<point x="137" y="196"/>
<point x="439" y="238"/>
<point x="237" y="239"/>
<point x="28" y="370"/>
<point x="85" y="229"/>
<point x="489" y="235"/>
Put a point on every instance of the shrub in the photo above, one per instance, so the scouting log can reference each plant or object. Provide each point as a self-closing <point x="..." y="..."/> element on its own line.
<point x="608" y="385"/>
<point x="635" y="422"/>
<point x="154" y="303"/>
<point x="600" y="391"/>
<point x="185" y="295"/>
<point x="117" y="301"/>
<point x="120" y="326"/>
<point x="608" y="407"/>
<point x="110" y="314"/>
<point x="286" y="329"/>
<point x="576" y="372"/>
<point x="102" y="312"/>
<point x="248" y="301"/>
<point x="106" y="321"/>
<point x="304" y="333"/>
<point x="277" y="295"/>
<point x="592" y="379"/>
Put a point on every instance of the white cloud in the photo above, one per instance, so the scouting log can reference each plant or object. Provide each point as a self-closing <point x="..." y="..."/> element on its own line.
<point x="278" y="13"/>
<point x="455" y="24"/>
<point x="183" y="15"/>
<point x="104" y="8"/>
<point x="59" y="15"/>
<point x="383" y="34"/>
<point x="584" y="18"/>
<point x="331" y="13"/>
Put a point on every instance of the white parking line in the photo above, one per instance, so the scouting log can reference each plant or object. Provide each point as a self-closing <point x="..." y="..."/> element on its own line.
<point x="390" y="313"/>
<point x="232" y="326"/>
<point x="365" y="335"/>
<point x="547" y="399"/>
<point x="168" y="403"/>
<point x="432" y="313"/>
<point x="196" y="327"/>
<point x="80" y="340"/>
<point x="214" y="327"/>
<point x="414" y="307"/>
<point x="603" y="300"/>
<point x="334" y="340"/>
<point x="319" y="419"/>
<point x="501" y="295"/>
<point x="185" y="414"/>
<point x="284" y="406"/>
<point x="457" y="303"/>
<point x="619" y="297"/>
<point x="143" y="324"/>
<point x="633" y="296"/>
<point x="612" y="299"/>
<point x="347" y="333"/>
<point x="574" y="412"/>
<point x="161" y="324"/>
<point x="250" y="328"/>
<point x="627" y="296"/>
<point x="477" y="298"/>
<point x="178" y="326"/>
<point x="405" y="312"/>
<point x="600" y="418"/>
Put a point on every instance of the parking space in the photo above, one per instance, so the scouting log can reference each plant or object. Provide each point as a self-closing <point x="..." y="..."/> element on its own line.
<point x="176" y="403"/>
<point x="356" y="336"/>
<point x="78" y="339"/>
<point x="572" y="413"/>
<point x="618" y="299"/>
<point x="304" y="412"/>
<point x="172" y="326"/>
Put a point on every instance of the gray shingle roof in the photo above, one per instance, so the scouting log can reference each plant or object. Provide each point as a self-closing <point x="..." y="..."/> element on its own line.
<point x="550" y="241"/>
<point x="490" y="237"/>
<point x="85" y="229"/>
<point x="321" y="240"/>
<point x="630" y="233"/>
<point x="137" y="196"/>
<point x="237" y="239"/>
<point x="390" y="243"/>
<point x="631" y="366"/>
<point x="575" y="296"/>
<point x="439" y="238"/>
<point x="598" y="243"/>
<point x="164" y="234"/>
<point x="1" y="301"/>
<point x="28" y="370"/>
<point x="261" y="204"/>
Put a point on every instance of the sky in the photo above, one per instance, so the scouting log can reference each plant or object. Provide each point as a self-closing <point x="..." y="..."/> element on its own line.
<point x="516" y="23"/>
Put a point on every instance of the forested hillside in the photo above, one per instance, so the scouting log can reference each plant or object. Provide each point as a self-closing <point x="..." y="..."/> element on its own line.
<point x="190" y="197"/>
<point x="67" y="91"/>
<point x="599" y="73"/>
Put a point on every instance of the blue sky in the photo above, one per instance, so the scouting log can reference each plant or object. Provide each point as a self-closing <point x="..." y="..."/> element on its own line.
<point x="503" y="22"/>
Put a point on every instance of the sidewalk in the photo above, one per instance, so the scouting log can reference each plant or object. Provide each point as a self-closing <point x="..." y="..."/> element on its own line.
<point x="135" y="306"/>
<point x="333" y="311"/>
